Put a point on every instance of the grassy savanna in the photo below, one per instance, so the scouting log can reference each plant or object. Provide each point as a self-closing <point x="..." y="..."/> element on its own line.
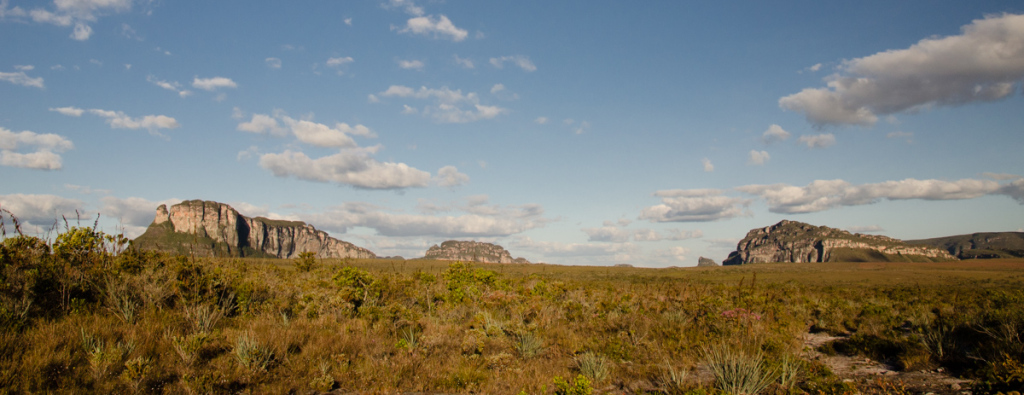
<point x="86" y="314"/>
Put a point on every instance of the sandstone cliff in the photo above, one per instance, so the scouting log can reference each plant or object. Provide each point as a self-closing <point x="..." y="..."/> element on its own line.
<point x="212" y="228"/>
<point x="790" y="241"/>
<point x="980" y="245"/>
<point x="471" y="251"/>
<point x="706" y="262"/>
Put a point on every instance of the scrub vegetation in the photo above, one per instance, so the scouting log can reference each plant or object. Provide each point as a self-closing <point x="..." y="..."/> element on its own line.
<point x="86" y="313"/>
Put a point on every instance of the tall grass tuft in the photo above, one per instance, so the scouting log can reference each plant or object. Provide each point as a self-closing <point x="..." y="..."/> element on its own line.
<point x="594" y="366"/>
<point x="737" y="372"/>
<point x="252" y="354"/>
<point x="527" y="344"/>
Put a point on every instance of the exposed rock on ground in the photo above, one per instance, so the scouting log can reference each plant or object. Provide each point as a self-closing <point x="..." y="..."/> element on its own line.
<point x="706" y="262"/>
<point x="212" y="228"/>
<point x="471" y="251"/>
<point x="790" y="241"/>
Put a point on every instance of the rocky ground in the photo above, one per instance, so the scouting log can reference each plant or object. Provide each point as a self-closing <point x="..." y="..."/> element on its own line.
<point x="870" y="375"/>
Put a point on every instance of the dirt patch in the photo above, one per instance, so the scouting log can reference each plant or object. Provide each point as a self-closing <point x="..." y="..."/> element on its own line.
<point x="872" y="376"/>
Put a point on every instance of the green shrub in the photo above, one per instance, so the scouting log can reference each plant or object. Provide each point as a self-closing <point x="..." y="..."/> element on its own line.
<point x="464" y="282"/>
<point x="305" y="262"/>
<point x="357" y="286"/>
<point x="579" y="386"/>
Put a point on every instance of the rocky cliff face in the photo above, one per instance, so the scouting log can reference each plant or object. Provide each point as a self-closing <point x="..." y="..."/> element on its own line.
<point x="706" y="262"/>
<point x="471" y="251"/>
<point x="790" y="241"/>
<point x="980" y="245"/>
<point x="220" y="229"/>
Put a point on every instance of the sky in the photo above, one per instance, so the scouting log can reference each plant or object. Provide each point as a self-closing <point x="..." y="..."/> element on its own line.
<point x="568" y="132"/>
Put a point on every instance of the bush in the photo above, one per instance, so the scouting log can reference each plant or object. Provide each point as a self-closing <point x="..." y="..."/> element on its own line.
<point x="737" y="372"/>
<point x="305" y="262"/>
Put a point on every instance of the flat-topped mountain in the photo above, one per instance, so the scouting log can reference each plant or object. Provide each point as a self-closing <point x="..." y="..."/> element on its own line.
<point x="471" y="251"/>
<point x="790" y="241"/>
<point x="979" y="245"/>
<point x="212" y="228"/>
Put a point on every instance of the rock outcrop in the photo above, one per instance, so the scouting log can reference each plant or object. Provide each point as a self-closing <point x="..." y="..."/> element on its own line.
<point x="213" y="228"/>
<point x="706" y="262"/>
<point x="980" y="245"/>
<point x="471" y="251"/>
<point x="790" y="241"/>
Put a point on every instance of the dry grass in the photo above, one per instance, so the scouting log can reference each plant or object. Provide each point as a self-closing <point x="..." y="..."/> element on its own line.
<point x="138" y="323"/>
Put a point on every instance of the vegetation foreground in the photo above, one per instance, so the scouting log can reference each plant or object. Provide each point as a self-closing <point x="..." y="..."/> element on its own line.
<point x="86" y="313"/>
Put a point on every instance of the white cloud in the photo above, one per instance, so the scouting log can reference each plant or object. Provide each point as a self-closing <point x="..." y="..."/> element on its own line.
<point x="519" y="60"/>
<point x="708" y="167"/>
<point x="866" y="229"/>
<point x="449" y="176"/>
<point x="815" y="67"/>
<point x="133" y="213"/>
<point x="556" y="249"/>
<point x="497" y="88"/>
<point x="69" y="111"/>
<point x="349" y="167"/>
<point x="171" y="86"/>
<point x="582" y="128"/>
<point x="775" y="133"/>
<point x="24" y="67"/>
<point x="438" y="27"/>
<point x="348" y="21"/>
<point x="20" y="78"/>
<point x="118" y="120"/>
<point x="984" y="63"/>
<point x="696" y="205"/>
<point x="42" y="147"/>
<point x="274" y="63"/>
<point x="73" y="12"/>
<point x="505" y="221"/>
<point x="541" y="120"/>
<point x="320" y="135"/>
<point x="822" y="195"/>
<point x="758" y="158"/>
<point x="339" y="61"/>
<point x="611" y="234"/>
<point x="823" y="140"/>
<point x="261" y="124"/>
<point x="212" y="84"/>
<point x="464" y="62"/>
<point x="450" y="106"/>
<point x="411" y="64"/>
<point x="39" y="209"/>
<point x="408" y="6"/>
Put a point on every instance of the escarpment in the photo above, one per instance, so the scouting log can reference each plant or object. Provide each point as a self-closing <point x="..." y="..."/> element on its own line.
<point x="212" y="228"/>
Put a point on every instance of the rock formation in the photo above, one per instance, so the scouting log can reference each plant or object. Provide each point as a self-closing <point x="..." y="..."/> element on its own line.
<point x="702" y="262"/>
<point x="471" y="251"/>
<point x="789" y="241"/>
<point x="980" y="245"/>
<point x="212" y="228"/>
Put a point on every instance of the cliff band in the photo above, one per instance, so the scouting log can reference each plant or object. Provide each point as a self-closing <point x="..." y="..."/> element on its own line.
<point x="212" y="228"/>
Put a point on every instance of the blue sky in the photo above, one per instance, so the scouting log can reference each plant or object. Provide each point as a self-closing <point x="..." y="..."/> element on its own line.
<point x="574" y="132"/>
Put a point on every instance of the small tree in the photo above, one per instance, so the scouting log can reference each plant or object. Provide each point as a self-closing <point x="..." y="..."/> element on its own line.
<point x="305" y="261"/>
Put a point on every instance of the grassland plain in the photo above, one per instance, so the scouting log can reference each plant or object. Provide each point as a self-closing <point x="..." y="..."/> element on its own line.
<point x="85" y="313"/>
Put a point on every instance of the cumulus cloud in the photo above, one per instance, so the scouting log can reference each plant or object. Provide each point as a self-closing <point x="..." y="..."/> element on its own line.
<point x="505" y="221"/>
<point x="758" y="158"/>
<point x="262" y="124"/>
<point x="983" y="63"/>
<point x="774" y="134"/>
<point x="449" y="106"/>
<point x="79" y="13"/>
<point x="212" y="84"/>
<point x="20" y="78"/>
<point x="696" y="205"/>
<point x="39" y="209"/>
<point x="41" y="147"/>
<point x="466" y="63"/>
<point x="449" y="176"/>
<point x="349" y="167"/>
<point x="519" y="60"/>
<point x="171" y="86"/>
<point x="309" y="132"/>
<point x="411" y="64"/>
<point x="274" y="63"/>
<point x="706" y="163"/>
<point x="435" y="26"/>
<point x="118" y="120"/>
<point x="822" y="195"/>
<point x="818" y="140"/>
<point x="133" y="213"/>
<point x="69" y="111"/>
<point x="557" y="249"/>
